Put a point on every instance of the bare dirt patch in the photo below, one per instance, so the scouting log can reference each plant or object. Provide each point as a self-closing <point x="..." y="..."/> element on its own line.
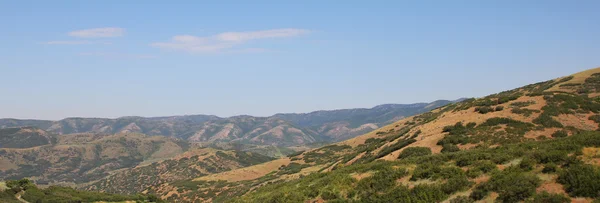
<point x="546" y="132"/>
<point x="552" y="187"/>
<point x="580" y="121"/>
<point x="359" y="176"/>
<point x="481" y="179"/>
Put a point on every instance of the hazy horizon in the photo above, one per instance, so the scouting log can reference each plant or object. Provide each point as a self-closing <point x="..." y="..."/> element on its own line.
<point x="158" y="116"/>
<point x="112" y="59"/>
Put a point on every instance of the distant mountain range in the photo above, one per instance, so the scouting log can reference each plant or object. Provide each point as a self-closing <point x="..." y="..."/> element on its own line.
<point x="288" y="129"/>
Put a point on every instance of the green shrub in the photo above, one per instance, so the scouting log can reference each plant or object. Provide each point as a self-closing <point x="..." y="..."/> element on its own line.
<point x="462" y="199"/>
<point x="414" y="152"/>
<point x="525" y="112"/>
<point x="581" y="180"/>
<point x="484" y="109"/>
<point x="546" y="197"/>
<point x="527" y="164"/>
<point x="455" y="184"/>
<point x="485" y="166"/>
<point x="448" y="148"/>
<point x="474" y="173"/>
<point x="514" y="186"/>
<point x="426" y="171"/>
<point x="547" y="121"/>
<point x="560" y="133"/>
<point x="595" y="118"/>
<point x="480" y="192"/>
<point x="522" y="104"/>
<point x="499" y="108"/>
<point x="329" y="195"/>
<point x="549" y="168"/>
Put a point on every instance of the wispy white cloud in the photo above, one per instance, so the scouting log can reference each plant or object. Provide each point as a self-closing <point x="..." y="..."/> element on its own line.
<point x="90" y="33"/>
<point x="117" y="55"/>
<point x="225" y="41"/>
<point x="98" y="32"/>
<point x="74" y="42"/>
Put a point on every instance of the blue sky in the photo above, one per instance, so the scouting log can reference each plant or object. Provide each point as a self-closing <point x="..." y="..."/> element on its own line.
<point x="157" y="58"/>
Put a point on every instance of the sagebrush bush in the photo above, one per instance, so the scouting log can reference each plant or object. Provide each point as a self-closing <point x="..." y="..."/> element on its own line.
<point x="560" y="133"/>
<point x="415" y="152"/>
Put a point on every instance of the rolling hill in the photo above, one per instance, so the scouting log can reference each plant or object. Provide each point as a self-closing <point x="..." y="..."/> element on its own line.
<point x="280" y="129"/>
<point x="85" y="158"/>
<point x="537" y="143"/>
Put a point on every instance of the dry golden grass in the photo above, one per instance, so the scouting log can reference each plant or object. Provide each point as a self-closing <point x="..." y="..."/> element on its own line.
<point x="581" y="200"/>
<point x="579" y="121"/>
<point x="7" y="165"/>
<point x="247" y="173"/>
<point x="578" y="78"/>
<point x="591" y="155"/>
<point x="359" y="176"/>
<point x="481" y="179"/>
<point x="547" y="132"/>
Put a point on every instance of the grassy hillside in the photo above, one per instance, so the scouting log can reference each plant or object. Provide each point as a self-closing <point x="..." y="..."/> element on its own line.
<point x="29" y="192"/>
<point x="24" y="137"/>
<point x="81" y="158"/>
<point x="125" y="163"/>
<point x="536" y="143"/>
<point x="193" y="163"/>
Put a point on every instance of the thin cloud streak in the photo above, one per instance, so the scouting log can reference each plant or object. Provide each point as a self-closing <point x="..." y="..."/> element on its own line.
<point x="98" y="32"/>
<point x="117" y="55"/>
<point x="225" y="42"/>
<point x="74" y="42"/>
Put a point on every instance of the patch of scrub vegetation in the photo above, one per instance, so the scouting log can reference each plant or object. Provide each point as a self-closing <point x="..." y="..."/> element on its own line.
<point x="490" y="103"/>
<point x="54" y="194"/>
<point x="138" y="179"/>
<point x="415" y="152"/>
<point x="324" y="154"/>
<point x="562" y="103"/>
<point x="398" y="141"/>
<point x="512" y="185"/>
<point x="490" y="132"/>
<point x="581" y="180"/>
<point x="523" y="111"/>
<point x="446" y="174"/>
<point x="522" y="104"/>
<point x="591" y="84"/>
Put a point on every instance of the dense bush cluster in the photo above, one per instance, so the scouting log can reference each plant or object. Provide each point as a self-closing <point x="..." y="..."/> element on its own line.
<point x="512" y="185"/>
<point x="522" y="104"/>
<point x="560" y="133"/>
<point x="581" y="180"/>
<point x="546" y="197"/>
<point x="523" y="111"/>
<point x="414" y="152"/>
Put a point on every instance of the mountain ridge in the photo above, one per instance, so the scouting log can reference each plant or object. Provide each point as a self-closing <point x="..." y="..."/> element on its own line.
<point x="279" y="129"/>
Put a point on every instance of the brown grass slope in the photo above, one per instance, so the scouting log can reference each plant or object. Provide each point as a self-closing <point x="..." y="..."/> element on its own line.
<point x="193" y="163"/>
<point x="545" y="110"/>
<point x="76" y="159"/>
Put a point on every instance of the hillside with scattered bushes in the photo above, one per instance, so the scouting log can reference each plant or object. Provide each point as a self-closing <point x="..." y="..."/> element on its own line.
<point x="537" y="143"/>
